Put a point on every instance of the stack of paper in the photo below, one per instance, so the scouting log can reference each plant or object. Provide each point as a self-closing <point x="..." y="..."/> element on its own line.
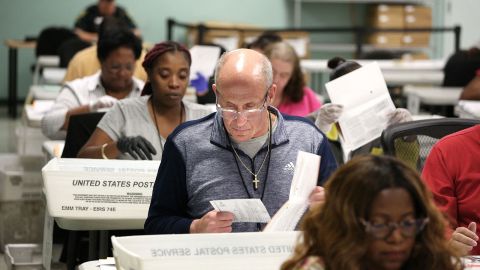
<point x="304" y="181"/>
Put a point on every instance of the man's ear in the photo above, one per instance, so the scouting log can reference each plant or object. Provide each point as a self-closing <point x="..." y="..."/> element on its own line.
<point x="271" y="92"/>
<point x="214" y="88"/>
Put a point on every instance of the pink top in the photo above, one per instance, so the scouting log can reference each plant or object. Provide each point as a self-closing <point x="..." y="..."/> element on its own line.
<point x="308" y="104"/>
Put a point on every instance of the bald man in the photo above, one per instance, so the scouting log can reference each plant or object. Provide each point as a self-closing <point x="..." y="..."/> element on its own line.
<point x="247" y="149"/>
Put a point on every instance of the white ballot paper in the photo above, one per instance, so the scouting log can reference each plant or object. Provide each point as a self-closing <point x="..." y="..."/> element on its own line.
<point x="204" y="59"/>
<point x="366" y="103"/>
<point x="303" y="182"/>
<point x="244" y="210"/>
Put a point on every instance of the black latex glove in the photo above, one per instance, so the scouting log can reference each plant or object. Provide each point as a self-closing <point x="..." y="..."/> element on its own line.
<point x="138" y="147"/>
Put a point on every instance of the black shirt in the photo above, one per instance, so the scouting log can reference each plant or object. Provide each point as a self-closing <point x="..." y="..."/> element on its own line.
<point x="91" y="19"/>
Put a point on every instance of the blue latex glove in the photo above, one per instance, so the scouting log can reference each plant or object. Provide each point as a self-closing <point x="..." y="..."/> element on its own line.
<point x="200" y="83"/>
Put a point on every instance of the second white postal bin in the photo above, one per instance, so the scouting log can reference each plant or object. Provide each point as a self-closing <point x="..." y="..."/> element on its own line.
<point x="98" y="194"/>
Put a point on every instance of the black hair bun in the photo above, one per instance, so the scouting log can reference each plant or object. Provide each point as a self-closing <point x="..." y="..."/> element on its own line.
<point x="335" y="62"/>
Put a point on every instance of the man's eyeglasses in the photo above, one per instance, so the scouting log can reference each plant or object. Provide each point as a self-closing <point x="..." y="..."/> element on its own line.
<point x="408" y="228"/>
<point x="230" y="114"/>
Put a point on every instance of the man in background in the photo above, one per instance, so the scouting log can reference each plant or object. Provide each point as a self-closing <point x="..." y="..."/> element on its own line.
<point x="88" y="23"/>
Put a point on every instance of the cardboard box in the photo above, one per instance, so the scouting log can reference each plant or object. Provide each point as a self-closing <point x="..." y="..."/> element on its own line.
<point x="386" y="16"/>
<point x="229" y="39"/>
<point x="417" y="16"/>
<point x="415" y="21"/>
<point x="398" y="16"/>
<point x="233" y="39"/>
<point x="415" y="39"/>
<point x="386" y="39"/>
<point x="417" y="10"/>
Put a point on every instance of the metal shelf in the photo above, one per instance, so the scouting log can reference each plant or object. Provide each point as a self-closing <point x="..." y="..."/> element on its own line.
<point x="297" y="19"/>
<point x="349" y="47"/>
<point x="297" y="7"/>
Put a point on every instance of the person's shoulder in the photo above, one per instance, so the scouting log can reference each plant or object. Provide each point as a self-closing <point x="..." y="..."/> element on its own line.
<point x="140" y="101"/>
<point x="138" y="82"/>
<point x="87" y="54"/>
<point x="85" y="58"/>
<point x="292" y="120"/>
<point x="460" y="136"/>
<point x="200" y="127"/>
<point x="121" y="12"/>
<point x="92" y="9"/>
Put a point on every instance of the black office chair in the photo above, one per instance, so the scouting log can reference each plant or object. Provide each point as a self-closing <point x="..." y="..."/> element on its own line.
<point x="80" y="128"/>
<point x="412" y="141"/>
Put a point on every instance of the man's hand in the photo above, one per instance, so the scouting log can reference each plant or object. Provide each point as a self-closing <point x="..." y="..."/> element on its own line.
<point x="213" y="222"/>
<point x="464" y="239"/>
<point x="317" y="196"/>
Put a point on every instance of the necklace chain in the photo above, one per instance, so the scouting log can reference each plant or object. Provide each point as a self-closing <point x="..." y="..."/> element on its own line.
<point x="156" y="123"/>
<point x="255" y="181"/>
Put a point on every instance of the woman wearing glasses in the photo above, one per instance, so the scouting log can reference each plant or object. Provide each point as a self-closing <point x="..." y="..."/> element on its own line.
<point x="117" y="51"/>
<point x="137" y="128"/>
<point x="377" y="214"/>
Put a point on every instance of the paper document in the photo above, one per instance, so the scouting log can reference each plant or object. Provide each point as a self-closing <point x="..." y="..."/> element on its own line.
<point x="304" y="181"/>
<point x="204" y="59"/>
<point x="366" y="101"/>
<point x="471" y="262"/>
<point x="244" y="210"/>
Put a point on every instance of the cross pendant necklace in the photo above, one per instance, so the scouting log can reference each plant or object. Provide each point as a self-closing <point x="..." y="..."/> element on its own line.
<point x="255" y="182"/>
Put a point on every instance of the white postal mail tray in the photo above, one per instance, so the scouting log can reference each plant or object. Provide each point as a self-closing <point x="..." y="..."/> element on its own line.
<point x="258" y="250"/>
<point x="99" y="194"/>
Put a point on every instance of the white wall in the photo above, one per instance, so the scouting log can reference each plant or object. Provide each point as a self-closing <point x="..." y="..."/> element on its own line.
<point x="465" y="14"/>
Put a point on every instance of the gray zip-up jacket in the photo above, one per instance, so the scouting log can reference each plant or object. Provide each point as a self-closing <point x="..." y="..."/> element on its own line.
<point x="198" y="165"/>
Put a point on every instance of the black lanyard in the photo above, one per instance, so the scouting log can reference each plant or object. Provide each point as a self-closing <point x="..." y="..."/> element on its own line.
<point x="268" y="164"/>
<point x="269" y="152"/>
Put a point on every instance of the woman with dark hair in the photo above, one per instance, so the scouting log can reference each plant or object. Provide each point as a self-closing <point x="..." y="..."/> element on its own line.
<point x="118" y="49"/>
<point x="328" y="115"/>
<point x="137" y="128"/>
<point x="292" y="96"/>
<point x="377" y="214"/>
